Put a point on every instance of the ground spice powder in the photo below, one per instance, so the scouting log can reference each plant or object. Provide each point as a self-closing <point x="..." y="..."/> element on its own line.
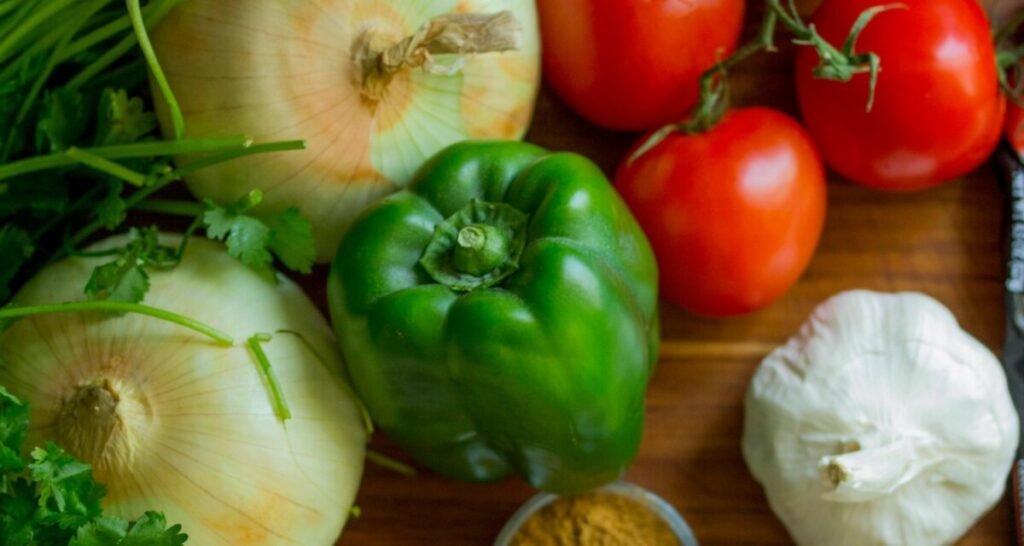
<point x="595" y="519"/>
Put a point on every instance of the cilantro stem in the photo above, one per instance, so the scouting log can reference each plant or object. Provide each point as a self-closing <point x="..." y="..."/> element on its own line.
<point x="48" y="37"/>
<point x="118" y="307"/>
<point x="105" y="165"/>
<point x="95" y="253"/>
<point x="21" y="32"/>
<point x="8" y="7"/>
<point x="173" y="147"/>
<point x="130" y="75"/>
<point x="384" y="461"/>
<point x="108" y="58"/>
<point x="203" y="162"/>
<point x="104" y="32"/>
<point x="88" y="197"/>
<point x="177" y="119"/>
<point x="197" y="222"/>
<point x="214" y="159"/>
<point x="51" y="63"/>
<point x="171" y="206"/>
<point x="158" y="12"/>
<point x="152" y="14"/>
<point x="139" y="196"/>
<point x="142" y="149"/>
<point x="346" y="377"/>
<point x="267" y="373"/>
<point x="14" y="21"/>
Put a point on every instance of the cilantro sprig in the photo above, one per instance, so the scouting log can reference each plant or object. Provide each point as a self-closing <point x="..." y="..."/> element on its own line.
<point x="50" y="498"/>
<point x="80" y="154"/>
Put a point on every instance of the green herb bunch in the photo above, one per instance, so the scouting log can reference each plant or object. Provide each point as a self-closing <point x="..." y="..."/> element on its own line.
<point x="51" y="499"/>
<point x="80" y="152"/>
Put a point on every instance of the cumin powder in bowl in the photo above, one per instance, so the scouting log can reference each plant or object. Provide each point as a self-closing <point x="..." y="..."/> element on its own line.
<point x="620" y="514"/>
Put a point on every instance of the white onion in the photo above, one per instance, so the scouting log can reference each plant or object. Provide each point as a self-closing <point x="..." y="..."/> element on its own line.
<point x="193" y="431"/>
<point x="288" y="70"/>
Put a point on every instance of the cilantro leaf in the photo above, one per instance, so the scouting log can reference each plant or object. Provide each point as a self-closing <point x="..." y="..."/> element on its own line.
<point x="17" y="508"/>
<point x="111" y="210"/>
<point x="255" y="243"/>
<point x="13" y="425"/>
<point x="42" y="195"/>
<point x="62" y="119"/>
<point x="12" y="94"/>
<point x="102" y="532"/>
<point x="247" y="238"/>
<point x="149" y="530"/>
<point x="68" y="495"/>
<point x="125" y="278"/>
<point x="16" y="248"/>
<point x="52" y="499"/>
<point x="291" y="240"/>
<point x="122" y="119"/>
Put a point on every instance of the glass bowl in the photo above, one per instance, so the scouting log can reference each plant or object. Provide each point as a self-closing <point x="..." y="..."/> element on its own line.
<point x="653" y="502"/>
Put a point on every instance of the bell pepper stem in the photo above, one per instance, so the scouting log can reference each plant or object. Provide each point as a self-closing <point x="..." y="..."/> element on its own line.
<point x="477" y="246"/>
<point x="480" y="248"/>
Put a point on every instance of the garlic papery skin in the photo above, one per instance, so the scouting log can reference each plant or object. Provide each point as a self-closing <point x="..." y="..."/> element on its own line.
<point x="298" y="69"/>
<point x="881" y="423"/>
<point x="174" y="422"/>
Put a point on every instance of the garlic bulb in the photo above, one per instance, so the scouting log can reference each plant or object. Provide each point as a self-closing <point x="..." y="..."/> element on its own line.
<point x="173" y="422"/>
<point x="375" y="87"/>
<point x="881" y="423"/>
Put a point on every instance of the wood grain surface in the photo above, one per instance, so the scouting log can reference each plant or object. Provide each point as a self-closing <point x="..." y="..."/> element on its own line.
<point x="944" y="242"/>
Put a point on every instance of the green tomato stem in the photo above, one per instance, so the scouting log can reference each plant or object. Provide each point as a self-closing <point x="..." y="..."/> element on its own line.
<point x="118" y="307"/>
<point x="1008" y="60"/>
<point x="834" y="64"/>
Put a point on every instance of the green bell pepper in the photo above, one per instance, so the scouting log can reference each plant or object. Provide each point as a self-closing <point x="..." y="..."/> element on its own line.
<point x="500" y="315"/>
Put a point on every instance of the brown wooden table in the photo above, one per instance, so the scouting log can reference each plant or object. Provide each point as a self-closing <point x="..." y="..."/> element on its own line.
<point x="944" y="242"/>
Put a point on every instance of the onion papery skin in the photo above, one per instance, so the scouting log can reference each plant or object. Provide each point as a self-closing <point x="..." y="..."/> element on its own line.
<point x="283" y="70"/>
<point x="196" y="435"/>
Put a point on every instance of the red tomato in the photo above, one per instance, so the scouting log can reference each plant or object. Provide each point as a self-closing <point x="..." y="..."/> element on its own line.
<point x="938" y="110"/>
<point x="734" y="214"/>
<point x="633" y="64"/>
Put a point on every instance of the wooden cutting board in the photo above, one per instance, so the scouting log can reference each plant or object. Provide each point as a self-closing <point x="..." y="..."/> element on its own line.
<point x="944" y="242"/>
